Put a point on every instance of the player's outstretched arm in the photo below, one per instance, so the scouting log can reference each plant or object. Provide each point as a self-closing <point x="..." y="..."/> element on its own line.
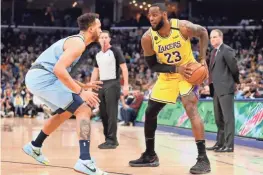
<point x="188" y="29"/>
<point x="150" y="56"/>
<point x="73" y="48"/>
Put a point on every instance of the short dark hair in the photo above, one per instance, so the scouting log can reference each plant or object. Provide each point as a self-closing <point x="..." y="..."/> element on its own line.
<point x="86" y="20"/>
<point x="106" y="31"/>
<point x="161" y="6"/>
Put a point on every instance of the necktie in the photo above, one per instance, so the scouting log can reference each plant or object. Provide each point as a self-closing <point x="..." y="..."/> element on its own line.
<point x="212" y="60"/>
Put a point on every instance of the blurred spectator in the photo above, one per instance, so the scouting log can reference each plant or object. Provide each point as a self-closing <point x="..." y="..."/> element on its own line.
<point x="121" y="104"/>
<point x="18" y="104"/>
<point x="19" y="49"/>
<point x="7" y="108"/>
<point x="129" y="111"/>
<point x="204" y="92"/>
<point x="30" y="109"/>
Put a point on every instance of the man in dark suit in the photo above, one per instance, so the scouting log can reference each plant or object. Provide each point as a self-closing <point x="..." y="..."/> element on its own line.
<point x="223" y="77"/>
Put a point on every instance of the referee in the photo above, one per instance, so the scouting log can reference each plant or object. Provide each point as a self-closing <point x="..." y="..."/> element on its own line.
<point x="107" y="66"/>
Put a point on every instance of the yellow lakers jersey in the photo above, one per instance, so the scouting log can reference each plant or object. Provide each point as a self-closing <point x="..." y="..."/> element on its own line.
<point x="174" y="49"/>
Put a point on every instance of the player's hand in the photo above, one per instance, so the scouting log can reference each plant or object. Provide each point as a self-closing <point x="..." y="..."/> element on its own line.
<point x="185" y="71"/>
<point x="203" y="62"/>
<point x="93" y="85"/>
<point x="90" y="97"/>
<point x="125" y="90"/>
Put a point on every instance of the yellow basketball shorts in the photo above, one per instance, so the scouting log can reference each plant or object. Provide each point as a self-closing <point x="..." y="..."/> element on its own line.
<point x="168" y="90"/>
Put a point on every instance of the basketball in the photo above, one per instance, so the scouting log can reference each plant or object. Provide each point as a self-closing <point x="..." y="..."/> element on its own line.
<point x="198" y="75"/>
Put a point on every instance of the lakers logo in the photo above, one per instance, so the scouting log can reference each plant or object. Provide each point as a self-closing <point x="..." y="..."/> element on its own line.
<point x="162" y="49"/>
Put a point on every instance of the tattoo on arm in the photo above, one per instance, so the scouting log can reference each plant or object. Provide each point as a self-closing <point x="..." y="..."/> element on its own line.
<point x="85" y="129"/>
<point x="189" y="29"/>
<point x="146" y="43"/>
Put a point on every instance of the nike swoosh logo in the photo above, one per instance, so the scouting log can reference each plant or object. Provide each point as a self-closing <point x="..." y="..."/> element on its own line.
<point x="38" y="154"/>
<point x="158" y="42"/>
<point x="92" y="170"/>
<point x="176" y="37"/>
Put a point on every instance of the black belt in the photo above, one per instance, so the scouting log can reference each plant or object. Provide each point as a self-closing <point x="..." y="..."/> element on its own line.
<point x="110" y="80"/>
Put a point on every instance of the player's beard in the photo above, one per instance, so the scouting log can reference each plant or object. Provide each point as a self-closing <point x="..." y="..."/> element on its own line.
<point x="159" y="25"/>
<point x="95" y="37"/>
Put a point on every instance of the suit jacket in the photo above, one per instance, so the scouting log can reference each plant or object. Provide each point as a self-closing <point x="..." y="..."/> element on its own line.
<point x="224" y="71"/>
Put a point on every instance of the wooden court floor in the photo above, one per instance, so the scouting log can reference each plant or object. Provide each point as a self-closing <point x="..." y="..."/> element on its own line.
<point x="177" y="153"/>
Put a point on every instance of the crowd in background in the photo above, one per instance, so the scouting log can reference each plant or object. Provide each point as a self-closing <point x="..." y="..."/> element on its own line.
<point x="19" y="49"/>
<point x="51" y="16"/>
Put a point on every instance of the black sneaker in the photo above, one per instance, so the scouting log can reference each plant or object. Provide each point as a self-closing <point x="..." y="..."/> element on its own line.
<point x="202" y="166"/>
<point x="107" y="145"/>
<point x="145" y="160"/>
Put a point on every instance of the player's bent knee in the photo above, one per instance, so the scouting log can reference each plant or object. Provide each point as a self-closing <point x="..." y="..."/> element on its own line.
<point x="83" y="111"/>
<point x="76" y="104"/>
<point x="72" y="107"/>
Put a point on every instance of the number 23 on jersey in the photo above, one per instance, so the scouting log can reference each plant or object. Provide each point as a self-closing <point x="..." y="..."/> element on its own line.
<point x="173" y="57"/>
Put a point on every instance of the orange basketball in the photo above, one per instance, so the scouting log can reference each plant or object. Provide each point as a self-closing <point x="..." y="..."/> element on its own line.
<point x="198" y="75"/>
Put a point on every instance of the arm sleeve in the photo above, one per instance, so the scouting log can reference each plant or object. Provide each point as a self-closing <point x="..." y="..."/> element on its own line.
<point x="157" y="67"/>
<point x="118" y="55"/>
<point x="229" y="56"/>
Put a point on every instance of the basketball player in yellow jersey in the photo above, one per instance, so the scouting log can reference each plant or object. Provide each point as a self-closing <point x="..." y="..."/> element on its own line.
<point x="167" y="49"/>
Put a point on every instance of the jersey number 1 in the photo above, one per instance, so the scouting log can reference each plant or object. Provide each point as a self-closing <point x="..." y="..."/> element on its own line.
<point x="169" y="56"/>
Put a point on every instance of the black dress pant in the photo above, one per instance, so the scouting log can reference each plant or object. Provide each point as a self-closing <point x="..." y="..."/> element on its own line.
<point x="109" y="96"/>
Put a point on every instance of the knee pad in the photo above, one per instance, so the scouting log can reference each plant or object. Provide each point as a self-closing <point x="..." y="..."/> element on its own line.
<point x="77" y="102"/>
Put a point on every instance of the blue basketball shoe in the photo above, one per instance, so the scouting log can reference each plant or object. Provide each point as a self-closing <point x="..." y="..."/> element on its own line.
<point x="36" y="153"/>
